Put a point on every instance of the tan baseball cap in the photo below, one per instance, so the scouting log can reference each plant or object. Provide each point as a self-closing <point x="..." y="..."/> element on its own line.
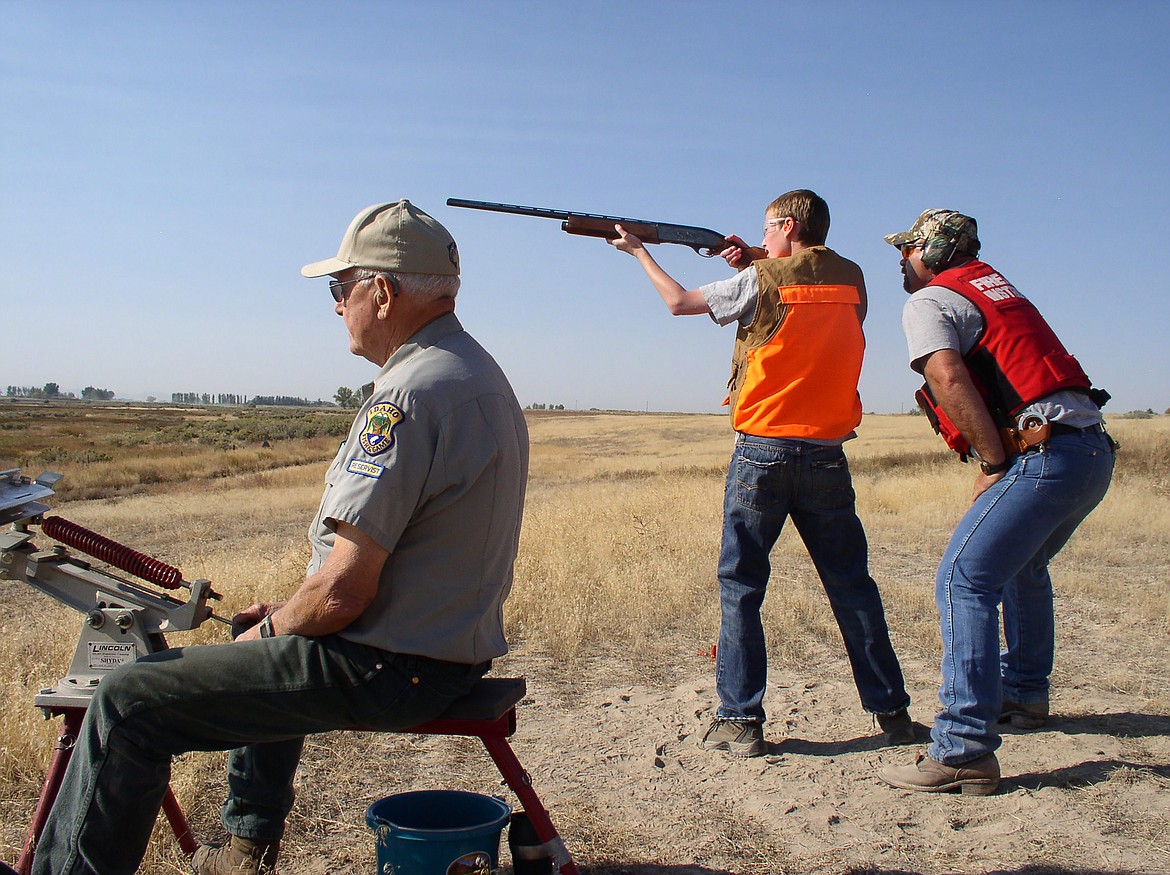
<point x="394" y="237"/>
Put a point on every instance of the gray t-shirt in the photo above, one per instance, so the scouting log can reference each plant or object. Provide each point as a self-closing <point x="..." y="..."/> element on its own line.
<point x="734" y="299"/>
<point x="937" y="318"/>
<point x="434" y="470"/>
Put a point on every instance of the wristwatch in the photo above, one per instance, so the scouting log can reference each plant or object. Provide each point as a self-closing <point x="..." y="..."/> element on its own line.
<point x="989" y="468"/>
<point x="266" y="630"/>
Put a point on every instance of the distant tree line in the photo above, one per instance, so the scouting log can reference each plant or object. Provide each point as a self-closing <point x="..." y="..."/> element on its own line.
<point x="232" y="398"/>
<point x="287" y="401"/>
<point x="207" y="398"/>
<point x="49" y="390"/>
<point x="545" y="407"/>
<point x="52" y="391"/>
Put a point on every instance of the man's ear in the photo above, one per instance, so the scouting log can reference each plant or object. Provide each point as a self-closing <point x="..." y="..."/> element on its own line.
<point x="383" y="296"/>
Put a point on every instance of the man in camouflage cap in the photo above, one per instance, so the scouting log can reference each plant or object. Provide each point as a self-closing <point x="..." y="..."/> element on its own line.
<point x="1002" y="389"/>
<point x="953" y="229"/>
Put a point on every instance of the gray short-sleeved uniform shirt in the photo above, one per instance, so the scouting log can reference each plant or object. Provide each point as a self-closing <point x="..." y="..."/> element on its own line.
<point x="434" y="470"/>
<point x="937" y="318"/>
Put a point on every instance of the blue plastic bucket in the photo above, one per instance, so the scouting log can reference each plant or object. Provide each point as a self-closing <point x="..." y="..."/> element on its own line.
<point x="438" y="832"/>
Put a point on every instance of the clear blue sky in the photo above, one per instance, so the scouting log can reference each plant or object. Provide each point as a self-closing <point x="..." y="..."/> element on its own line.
<point x="167" y="167"/>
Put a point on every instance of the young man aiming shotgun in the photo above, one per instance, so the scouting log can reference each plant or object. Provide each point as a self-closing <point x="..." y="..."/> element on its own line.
<point x="798" y="307"/>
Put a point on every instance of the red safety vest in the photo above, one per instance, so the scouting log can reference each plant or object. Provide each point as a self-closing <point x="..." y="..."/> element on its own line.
<point x="1017" y="360"/>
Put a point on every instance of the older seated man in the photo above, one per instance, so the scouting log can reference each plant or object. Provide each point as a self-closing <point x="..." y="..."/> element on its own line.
<point x="400" y="612"/>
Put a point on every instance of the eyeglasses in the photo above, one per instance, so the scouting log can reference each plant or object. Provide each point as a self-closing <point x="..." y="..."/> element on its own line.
<point x="908" y="248"/>
<point x="336" y="288"/>
<point x="769" y="224"/>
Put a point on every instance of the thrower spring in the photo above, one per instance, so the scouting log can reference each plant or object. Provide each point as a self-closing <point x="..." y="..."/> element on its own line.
<point x="111" y="552"/>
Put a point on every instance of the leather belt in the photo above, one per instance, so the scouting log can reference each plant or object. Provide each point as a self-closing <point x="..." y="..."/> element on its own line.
<point x="1060" y="428"/>
<point x="1035" y="432"/>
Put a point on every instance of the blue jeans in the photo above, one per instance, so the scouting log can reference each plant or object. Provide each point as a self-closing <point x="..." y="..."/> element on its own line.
<point x="999" y="554"/>
<point x="769" y="480"/>
<point x="260" y="698"/>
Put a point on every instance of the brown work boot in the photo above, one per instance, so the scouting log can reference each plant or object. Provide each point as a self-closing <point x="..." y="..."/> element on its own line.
<point x="236" y="856"/>
<point x="979" y="777"/>
<point x="898" y="727"/>
<point x="1021" y="715"/>
<point x="741" y="738"/>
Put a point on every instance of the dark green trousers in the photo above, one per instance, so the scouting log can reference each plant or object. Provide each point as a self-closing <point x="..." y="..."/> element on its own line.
<point x="258" y="699"/>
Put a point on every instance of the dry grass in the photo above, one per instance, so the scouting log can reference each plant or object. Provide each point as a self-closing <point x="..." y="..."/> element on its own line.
<point x="619" y="546"/>
<point x="108" y="450"/>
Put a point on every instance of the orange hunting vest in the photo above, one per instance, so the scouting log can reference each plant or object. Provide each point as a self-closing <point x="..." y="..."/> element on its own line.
<point x="794" y="370"/>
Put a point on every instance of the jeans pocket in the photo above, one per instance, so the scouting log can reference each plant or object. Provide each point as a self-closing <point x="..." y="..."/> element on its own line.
<point x="761" y="485"/>
<point x="355" y="664"/>
<point x="414" y="690"/>
<point x="388" y="701"/>
<point x="1066" y="474"/>
<point x="832" y="485"/>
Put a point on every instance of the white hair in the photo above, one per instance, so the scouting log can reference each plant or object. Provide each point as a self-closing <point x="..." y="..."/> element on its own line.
<point x="424" y="286"/>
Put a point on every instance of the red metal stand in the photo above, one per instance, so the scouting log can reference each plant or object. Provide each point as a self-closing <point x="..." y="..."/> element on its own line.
<point x="489" y="714"/>
<point x="61" y="755"/>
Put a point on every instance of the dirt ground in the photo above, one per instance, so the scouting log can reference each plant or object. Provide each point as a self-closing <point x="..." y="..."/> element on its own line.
<point x="610" y="743"/>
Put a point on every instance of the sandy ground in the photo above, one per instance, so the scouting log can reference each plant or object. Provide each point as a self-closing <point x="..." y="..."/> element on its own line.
<point x="610" y="743"/>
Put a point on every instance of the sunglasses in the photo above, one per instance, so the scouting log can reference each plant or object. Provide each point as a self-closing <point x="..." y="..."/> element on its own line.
<point x="908" y="248"/>
<point x="337" y="288"/>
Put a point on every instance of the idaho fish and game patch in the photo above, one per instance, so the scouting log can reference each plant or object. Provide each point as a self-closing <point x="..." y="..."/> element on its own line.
<point x="378" y="435"/>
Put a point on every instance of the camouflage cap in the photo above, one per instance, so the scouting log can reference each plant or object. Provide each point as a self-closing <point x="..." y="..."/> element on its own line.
<point x="960" y="229"/>
<point x="395" y="237"/>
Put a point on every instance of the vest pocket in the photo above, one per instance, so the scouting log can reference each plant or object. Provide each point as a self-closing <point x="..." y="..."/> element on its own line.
<point x="1063" y="366"/>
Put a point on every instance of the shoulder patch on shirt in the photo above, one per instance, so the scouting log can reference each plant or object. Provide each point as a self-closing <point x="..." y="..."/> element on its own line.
<point x="378" y="435"/>
<point x="366" y="469"/>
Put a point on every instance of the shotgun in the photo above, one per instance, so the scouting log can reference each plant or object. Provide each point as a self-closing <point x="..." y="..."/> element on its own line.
<point x="704" y="241"/>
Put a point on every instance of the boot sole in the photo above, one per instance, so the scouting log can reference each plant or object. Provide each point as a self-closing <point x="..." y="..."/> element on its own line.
<point x="976" y="788"/>
<point x="968" y="786"/>
<point x="737" y="750"/>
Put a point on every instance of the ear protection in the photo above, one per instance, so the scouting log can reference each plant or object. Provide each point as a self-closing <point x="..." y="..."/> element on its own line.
<point x="381" y="297"/>
<point x="939" y="250"/>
